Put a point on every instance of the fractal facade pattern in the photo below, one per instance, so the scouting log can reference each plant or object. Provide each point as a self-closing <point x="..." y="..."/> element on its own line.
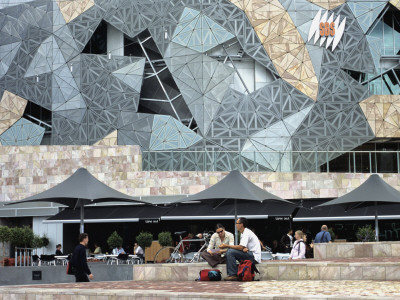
<point x="238" y="80"/>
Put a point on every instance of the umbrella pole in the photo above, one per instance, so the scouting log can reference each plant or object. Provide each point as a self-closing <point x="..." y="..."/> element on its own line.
<point x="236" y="232"/>
<point x="376" y="223"/>
<point x="81" y="222"/>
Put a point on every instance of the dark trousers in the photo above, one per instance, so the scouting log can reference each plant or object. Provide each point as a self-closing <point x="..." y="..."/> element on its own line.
<point x="233" y="255"/>
<point x="213" y="260"/>
<point x="81" y="277"/>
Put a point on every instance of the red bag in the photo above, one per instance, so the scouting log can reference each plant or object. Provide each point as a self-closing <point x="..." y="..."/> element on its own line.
<point x="70" y="270"/>
<point x="203" y="274"/>
<point x="246" y="271"/>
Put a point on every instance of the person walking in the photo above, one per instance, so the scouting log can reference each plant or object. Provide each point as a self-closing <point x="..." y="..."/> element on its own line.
<point x="299" y="247"/>
<point x="323" y="236"/>
<point x="79" y="260"/>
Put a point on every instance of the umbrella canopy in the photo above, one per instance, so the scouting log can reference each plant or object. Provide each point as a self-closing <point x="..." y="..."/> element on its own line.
<point x="234" y="187"/>
<point x="374" y="190"/>
<point x="80" y="189"/>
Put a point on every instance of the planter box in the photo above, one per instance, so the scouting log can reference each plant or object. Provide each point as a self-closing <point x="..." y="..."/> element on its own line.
<point x="356" y="250"/>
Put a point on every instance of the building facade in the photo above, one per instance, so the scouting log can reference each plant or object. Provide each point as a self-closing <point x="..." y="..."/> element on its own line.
<point x="263" y="85"/>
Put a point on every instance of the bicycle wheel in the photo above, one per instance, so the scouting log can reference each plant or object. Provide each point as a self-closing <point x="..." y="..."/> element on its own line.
<point x="163" y="255"/>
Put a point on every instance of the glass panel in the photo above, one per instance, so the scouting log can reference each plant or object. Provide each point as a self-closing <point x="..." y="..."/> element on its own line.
<point x="375" y="86"/>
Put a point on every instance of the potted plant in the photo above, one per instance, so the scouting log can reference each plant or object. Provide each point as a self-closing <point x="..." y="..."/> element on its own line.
<point x="44" y="241"/>
<point x="165" y="239"/>
<point x="114" y="240"/>
<point x="365" y="234"/>
<point x="144" y="239"/>
<point x="5" y="236"/>
<point x="37" y="242"/>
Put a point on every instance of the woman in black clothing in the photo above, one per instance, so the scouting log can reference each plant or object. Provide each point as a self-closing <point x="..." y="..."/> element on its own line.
<point x="309" y="247"/>
<point x="79" y="260"/>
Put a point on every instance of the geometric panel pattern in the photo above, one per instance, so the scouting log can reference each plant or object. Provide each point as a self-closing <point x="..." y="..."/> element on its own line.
<point x="395" y="3"/>
<point x="22" y="133"/>
<point x="202" y="81"/>
<point x="199" y="32"/>
<point x="168" y="133"/>
<point x="222" y="76"/>
<point x="73" y="8"/>
<point x="383" y="115"/>
<point x="328" y="4"/>
<point x="109" y="140"/>
<point x="12" y="108"/>
<point x="283" y="43"/>
<point x="7" y="54"/>
<point x="366" y="12"/>
<point x="242" y="116"/>
<point x="270" y="142"/>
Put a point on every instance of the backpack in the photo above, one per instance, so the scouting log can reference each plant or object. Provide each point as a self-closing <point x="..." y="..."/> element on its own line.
<point x="246" y="271"/>
<point x="209" y="275"/>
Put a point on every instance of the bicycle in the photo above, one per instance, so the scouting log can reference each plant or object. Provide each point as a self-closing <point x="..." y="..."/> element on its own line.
<point x="175" y="255"/>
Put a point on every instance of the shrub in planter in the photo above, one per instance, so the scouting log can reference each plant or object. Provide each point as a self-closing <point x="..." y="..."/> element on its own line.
<point x="144" y="239"/>
<point x="5" y="236"/>
<point x="114" y="240"/>
<point x="165" y="238"/>
<point x="44" y="241"/>
<point x="365" y="234"/>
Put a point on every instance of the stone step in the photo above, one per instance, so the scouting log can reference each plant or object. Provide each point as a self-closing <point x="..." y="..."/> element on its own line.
<point x="280" y="270"/>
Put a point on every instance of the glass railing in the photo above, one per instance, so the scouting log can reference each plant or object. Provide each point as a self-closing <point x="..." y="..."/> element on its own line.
<point x="273" y="161"/>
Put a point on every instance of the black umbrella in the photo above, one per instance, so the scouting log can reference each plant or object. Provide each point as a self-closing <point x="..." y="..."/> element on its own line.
<point x="235" y="187"/>
<point x="373" y="191"/>
<point x="79" y="190"/>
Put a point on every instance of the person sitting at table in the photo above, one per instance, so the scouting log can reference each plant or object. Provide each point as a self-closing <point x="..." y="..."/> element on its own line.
<point x="58" y="250"/>
<point x="137" y="250"/>
<point x="97" y="249"/>
<point x="118" y="250"/>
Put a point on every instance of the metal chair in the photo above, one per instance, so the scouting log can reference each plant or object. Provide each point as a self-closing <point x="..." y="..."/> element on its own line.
<point x="48" y="260"/>
<point x="266" y="256"/>
<point x="282" y="256"/>
<point x="123" y="259"/>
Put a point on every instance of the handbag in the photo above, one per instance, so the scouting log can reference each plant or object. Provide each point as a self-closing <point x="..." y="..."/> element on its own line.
<point x="70" y="269"/>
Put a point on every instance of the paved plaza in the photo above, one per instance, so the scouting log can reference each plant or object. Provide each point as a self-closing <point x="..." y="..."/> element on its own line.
<point x="208" y="290"/>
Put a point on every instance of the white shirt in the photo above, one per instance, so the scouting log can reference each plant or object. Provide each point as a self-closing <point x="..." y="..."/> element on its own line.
<point x="249" y="240"/>
<point x="291" y="240"/>
<point x="139" y="250"/>
<point x="117" y="251"/>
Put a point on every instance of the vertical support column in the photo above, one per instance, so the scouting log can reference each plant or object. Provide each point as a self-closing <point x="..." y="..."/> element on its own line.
<point x="115" y="41"/>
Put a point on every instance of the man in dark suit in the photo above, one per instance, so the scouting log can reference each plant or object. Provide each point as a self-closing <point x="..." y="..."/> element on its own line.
<point x="287" y="241"/>
<point x="79" y="260"/>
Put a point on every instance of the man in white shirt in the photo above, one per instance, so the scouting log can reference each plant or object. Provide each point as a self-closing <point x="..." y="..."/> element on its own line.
<point x="118" y="250"/>
<point x="248" y="249"/>
<point x="138" y="250"/>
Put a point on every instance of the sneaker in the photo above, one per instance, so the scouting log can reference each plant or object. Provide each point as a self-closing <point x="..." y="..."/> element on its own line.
<point x="231" y="278"/>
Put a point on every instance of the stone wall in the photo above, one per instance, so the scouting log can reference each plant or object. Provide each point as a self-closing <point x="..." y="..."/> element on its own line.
<point x="356" y="250"/>
<point x="279" y="270"/>
<point x="28" y="170"/>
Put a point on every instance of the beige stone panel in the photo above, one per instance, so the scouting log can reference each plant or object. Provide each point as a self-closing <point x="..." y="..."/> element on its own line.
<point x="328" y="4"/>
<point x="374" y="273"/>
<point x="283" y="43"/>
<point x="381" y="250"/>
<point x="73" y="8"/>
<point x="350" y="273"/>
<point x="383" y="114"/>
<point x="109" y="140"/>
<point x="12" y="108"/>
